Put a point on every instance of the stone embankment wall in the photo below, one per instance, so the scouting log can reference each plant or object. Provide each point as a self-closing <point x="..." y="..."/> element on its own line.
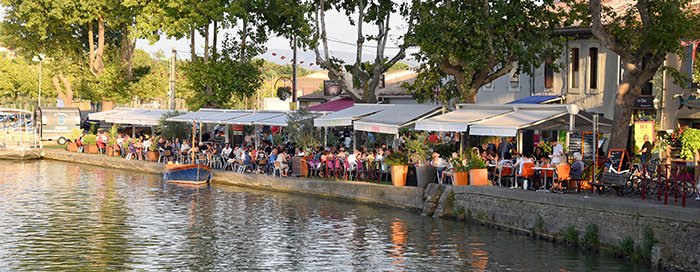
<point x="676" y="228"/>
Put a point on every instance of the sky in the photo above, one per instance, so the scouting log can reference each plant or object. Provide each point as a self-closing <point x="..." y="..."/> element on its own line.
<point x="342" y="39"/>
<point x="339" y="30"/>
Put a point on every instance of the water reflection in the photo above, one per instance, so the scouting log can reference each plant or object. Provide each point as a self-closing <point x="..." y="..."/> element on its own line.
<point x="61" y="216"/>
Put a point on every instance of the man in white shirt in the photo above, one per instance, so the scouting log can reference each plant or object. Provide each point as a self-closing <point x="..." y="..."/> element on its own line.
<point x="352" y="159"/>
<point x="557" y="151"/>
<point x="226" y="150"/>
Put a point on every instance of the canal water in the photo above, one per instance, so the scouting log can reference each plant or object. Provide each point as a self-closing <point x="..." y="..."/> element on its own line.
<point x="70" y="217"/>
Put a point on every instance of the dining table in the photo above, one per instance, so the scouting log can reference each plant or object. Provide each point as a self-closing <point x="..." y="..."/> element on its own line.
<point x="544" y="170"/>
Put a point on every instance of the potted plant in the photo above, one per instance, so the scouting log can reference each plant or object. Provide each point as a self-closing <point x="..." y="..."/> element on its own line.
<point x="112" y="133"/>
<point x="152" y="154"/>
<point x="460" y="166"/>
<point x="478" y="170"/>
<point x="399" y="167"/>
<point x="420" y="157"/>
<point x="90" y="143"/>
<point x="74" y="135"/>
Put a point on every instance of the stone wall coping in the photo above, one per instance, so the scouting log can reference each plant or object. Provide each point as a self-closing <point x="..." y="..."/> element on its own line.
<point x="600" y="204"/>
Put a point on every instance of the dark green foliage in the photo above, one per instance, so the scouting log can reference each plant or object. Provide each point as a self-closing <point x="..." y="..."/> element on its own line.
<point x="590" y="238"/>
<point x="626" y="245"/>
<point x="648" y="242"/>
<point x="396" y="158"/>
<point x="570" y="235"/>
<point x="172" y="130"/>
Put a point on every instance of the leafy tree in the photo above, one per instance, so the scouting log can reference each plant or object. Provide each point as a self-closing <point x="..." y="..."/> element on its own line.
<point x="367" y="75"/>
<point x="477" y="42"/>
<point x="642" y="34"/>
<point x="300" y="128"/>
<point x="221" y="81"/>
<point x="172" y="130"/>
<point x="397" y="67"/>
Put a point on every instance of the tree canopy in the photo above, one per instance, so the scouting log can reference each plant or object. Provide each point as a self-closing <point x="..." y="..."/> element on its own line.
<point x="642" y="34"/>
<point x="477" y="42"/>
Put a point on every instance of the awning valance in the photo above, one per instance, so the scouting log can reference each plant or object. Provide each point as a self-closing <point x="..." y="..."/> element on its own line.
<point x="390" y="120"/>
<point x="346" y="116"/>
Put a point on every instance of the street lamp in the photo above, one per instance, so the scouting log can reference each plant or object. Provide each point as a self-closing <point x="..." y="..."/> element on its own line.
<point x="37" y="58"/>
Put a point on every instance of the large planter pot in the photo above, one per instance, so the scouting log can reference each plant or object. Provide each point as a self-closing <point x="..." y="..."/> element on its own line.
<point x="92" y="149"/>
<point x="152" y="156"/>
<point x="479" y="177"/>
<point x="425" y="175"/>
<point x="110" y="151"/>
<point x="398" y="175"/>
<point x="460" y="178"/>
<point x="72" y="147"/>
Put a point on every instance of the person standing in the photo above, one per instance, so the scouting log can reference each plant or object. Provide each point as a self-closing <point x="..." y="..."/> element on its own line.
<point x="557" y="151"/>
<point x="646" y="149"/>
<point x="505" y="148"/>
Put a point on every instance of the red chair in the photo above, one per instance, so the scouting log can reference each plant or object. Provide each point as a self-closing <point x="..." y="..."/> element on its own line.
<point x="528" y="172"/>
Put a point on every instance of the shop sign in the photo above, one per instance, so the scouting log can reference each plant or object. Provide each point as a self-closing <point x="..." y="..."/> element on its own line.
<point x="644" y="102"/>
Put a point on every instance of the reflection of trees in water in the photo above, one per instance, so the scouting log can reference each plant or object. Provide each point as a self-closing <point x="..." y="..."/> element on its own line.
<point x="71" y="220"/>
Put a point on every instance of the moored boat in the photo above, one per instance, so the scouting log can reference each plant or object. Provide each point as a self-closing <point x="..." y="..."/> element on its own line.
<point x="19" y="138"/>
<point x="187" y="173"/>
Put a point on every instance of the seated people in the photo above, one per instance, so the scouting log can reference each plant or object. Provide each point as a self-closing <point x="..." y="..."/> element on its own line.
<point x="282" y="159"/>
<point x="576" y="170"/>
<point x="522" y="160"/>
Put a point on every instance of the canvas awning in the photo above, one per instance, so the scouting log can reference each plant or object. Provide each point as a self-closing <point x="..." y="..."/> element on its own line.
<point x="335" y="105"/>
<point x="103" y="114"/>
<point x="390" y="120"/>
<point x="280" y="121"/>
<point x="459" y="119"/>
<point x="583" y="122"/>
<point x="346" y="116"/>
<point x="223" y="116"/>
<point x="149" y="117"/>
<point x="252" y="118"/>
<point x="523" y="116"/>
<point x="193" y="116"/>
<point x="538" y="99"/>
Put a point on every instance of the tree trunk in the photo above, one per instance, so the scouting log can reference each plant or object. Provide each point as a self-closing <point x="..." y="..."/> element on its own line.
<point x="216" y="32"/>
<point x="206" y="43"/>
<point x="127" y="52"/>
<point x="192" y="44"/>
<point x="627" y="93"/>
<point x="66" y="96"/>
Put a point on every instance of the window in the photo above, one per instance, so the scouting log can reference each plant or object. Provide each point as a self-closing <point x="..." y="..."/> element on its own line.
<point x="574" y="68"/>
<point x="548" y="73"/>
<point x="593" y="68"/>
<point x="514" y="81"/>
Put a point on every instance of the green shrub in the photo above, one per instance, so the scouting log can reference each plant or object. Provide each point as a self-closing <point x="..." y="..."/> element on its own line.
<point x="648" y="242"/>
<point x="626" y="245"/>
<point x="590" y="238"/>
<point x="396" y="158"/>
<point x="90" y="139"/>
<point x="75" y="134"/>
<point x="570" y="235"/>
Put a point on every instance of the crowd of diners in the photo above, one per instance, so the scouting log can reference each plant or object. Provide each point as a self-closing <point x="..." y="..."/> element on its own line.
<point x="326" y="160"/>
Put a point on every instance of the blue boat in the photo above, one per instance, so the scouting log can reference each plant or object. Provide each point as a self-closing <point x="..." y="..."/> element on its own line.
<point x="194" y="174"/>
